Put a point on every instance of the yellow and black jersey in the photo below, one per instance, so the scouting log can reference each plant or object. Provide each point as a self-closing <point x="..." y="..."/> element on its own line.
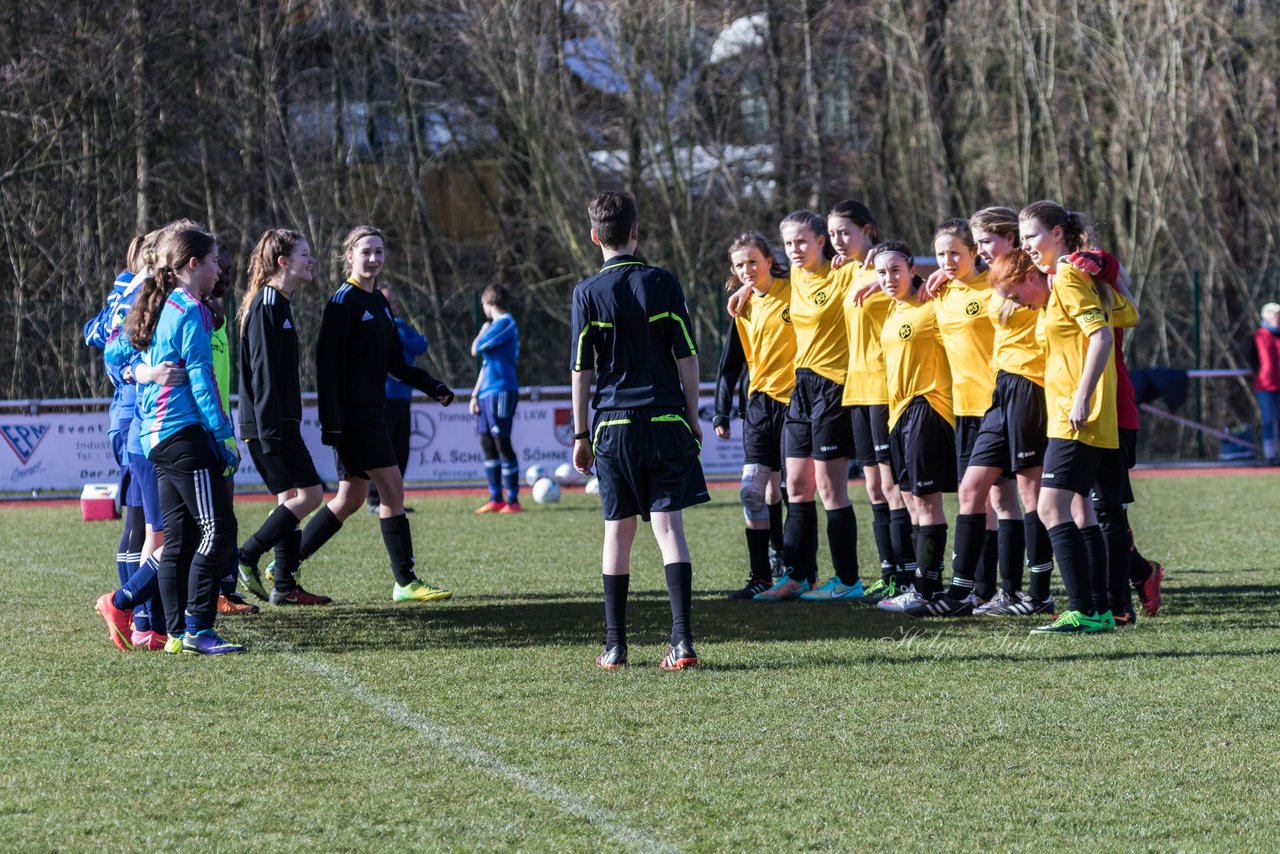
<point x="1073" y="313"/>
<point x="864" y="383"/>
<point x="915" y="359"/>
<point x="1016" y="350"/>
<point x="818" y="320"/>
<point x="969" y="337"/>
<point x="761" y="342"/>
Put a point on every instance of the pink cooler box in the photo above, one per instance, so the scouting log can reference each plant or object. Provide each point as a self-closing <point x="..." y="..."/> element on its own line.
<point x="98" y="501"/>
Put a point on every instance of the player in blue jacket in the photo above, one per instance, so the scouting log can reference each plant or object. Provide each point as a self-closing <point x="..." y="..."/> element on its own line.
<point x="494" y="399"/>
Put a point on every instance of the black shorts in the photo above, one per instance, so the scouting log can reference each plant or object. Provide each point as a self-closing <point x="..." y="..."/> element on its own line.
<point x="870" y="434"/>
<point x="647" y="462"/>
<point x="762" y="431"/>
<point x="289" y="466"/>
<point x="922" y="450"/>
<point x="967" y="427"/>
<point x="1113" y="487"/>
<point x="1071" y="465"/>
<point x="818" y="424"/>
<point x="365" y="443"/>
<point x="1014" y="430"/>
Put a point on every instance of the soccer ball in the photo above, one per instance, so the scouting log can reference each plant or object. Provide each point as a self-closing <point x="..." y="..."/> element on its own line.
<point x="593" y="486"/>
<point x="566" y="473"/>
<point x="546" y="491"/>
<point x="535" y="474"/>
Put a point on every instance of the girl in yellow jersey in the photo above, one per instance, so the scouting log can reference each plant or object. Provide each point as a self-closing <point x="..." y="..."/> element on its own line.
<point x="762" y="342"/>
<point x="817" y="435"/>
<point x="921" y="434"/>
<point x="853" y="232"/>
<point x="1075" y="329"/>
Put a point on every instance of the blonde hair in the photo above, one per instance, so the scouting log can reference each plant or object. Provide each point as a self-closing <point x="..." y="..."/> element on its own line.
<point x="1010" y="269"/>
<point x="274" y="244"/>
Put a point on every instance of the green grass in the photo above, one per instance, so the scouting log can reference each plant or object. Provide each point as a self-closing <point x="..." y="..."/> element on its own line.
<point x="482" y="724"/>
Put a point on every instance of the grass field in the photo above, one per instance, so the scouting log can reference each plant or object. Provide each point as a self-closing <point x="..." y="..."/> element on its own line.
<point x="482" y="723"/>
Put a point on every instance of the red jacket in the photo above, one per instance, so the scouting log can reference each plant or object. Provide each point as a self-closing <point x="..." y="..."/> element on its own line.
<point x="1268" y="376"/>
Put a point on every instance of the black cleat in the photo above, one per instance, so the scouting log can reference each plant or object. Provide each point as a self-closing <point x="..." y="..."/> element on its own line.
<point x="612" y="657"/>
<point x="679" y="657"/>
<point x="753" y="587"/>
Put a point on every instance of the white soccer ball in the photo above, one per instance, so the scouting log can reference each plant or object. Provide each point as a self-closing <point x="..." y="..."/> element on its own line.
<point x="534" y="474"/>
<point x="567" y="474"/>
<point x="593" y="486"/>
<point x="546" y="491"/>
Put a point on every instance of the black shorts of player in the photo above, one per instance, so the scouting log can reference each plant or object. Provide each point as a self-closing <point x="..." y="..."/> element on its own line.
<point x="1113" y="487"/>
<point x="1013" y="432"/>
<point x="365" y="443"/>
<point x="1071" y="465"/>
<point x="762" y="431"/>
<point x="288" y="466"/>
<point x="922" y="450"/>
<point x="870" y="434"/>
<point x="647" y="462"/>
<point x="818" y="424"/>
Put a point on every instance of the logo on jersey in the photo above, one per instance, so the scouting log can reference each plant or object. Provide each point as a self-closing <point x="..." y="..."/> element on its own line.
<point x="563" y="429"/>
<point x="972" y="307"/>
<point x="786" y="315"/>
<point x="287" y="324"/>
<point x="23" y="439"/>
<point x="905" y="332"/>
<point x="367" y="316"/>
<point x="1093" y="316"/>
<point x="820" y="298"/>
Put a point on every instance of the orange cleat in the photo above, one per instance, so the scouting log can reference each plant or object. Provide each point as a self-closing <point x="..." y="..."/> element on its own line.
<point x="511" y="507"/>
<point x="492" y="507"/>
<point x="235" y="607"/>
<point x="118" y="621"/>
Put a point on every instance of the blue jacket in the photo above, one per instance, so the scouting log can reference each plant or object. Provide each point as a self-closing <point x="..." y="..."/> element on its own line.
<point x="414" y="345"/>
<point x="97" y="330"/>
<point x="500" y="347"/>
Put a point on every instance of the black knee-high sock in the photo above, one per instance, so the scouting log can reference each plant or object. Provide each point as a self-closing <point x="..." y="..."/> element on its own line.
<point x="319" y="530"/>
<point x="1073" y="563"/>
<point x="1114" y="523"/>
<point x="800" y="540"/>
<point x="615" y="609"/>
<point x="881" y="521"/>
<point x="680" y="592"/>
<point x="1140" y="569"/>
<point x="758" y="554"/>
<point x="931" y="548"/>
<point x="970" y="529"/>
<point x="1013" y="550"/>
<point x="398" y="539"/>
<point x="129" y="553"/>
<point x="1039" y="556"/>
<point x="775" y="526"/>
<point x="904" y="552"/>
<point x="842" y="537"/>
<point x="985" y="581"/>
<point x="278" y="525"/>
<point x="1095" y="549"/>
<point x="288" y="557"/>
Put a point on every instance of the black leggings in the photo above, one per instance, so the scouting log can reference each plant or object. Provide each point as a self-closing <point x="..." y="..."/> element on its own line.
<point x="199" y="528"/>
<point x="497" y="446"/>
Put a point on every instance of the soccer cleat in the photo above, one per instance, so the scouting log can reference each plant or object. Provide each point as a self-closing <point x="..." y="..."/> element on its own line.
<point x="679" y="657"/>
<point x="147" y="640"/>
<point x="511" y="507"/>
<point x="1125" y="616"/>
<point x="992" y="605"/>
<point x="118" y="629"/>
<point x="1067" y="623"/>
<point x="297" y="596"/>
<point x="882" y="589"/>
<point x="783" y="589"/>
<point x="1019" y="604"/>
<point x="612" y="657"/>
<point x="847" y="592"/>
<point x="418" y="591"/>
<point x="823" y="593"/>
<point x="207" y="642"/>
<point x="1149" y="591"/>
<point x="233" y="605"/>
<point x="904" y="599"/>
<point x="753" y="587"/>
<point x="251" y="578"/>
<point x="173" y="644"/>
<point x="1103" y="622"/>
<point x="491" y="507"/>
<point x="940" y="605"/>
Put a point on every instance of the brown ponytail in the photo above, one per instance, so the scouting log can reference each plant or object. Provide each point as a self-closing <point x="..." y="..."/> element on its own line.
<point x="274" y="244"/>
<point x="173" y="251"/>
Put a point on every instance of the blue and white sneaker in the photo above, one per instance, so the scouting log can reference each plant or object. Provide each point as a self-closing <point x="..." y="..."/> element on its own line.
<point x="207" y="642"/>
<point x="904" y="599"/>
<point x="847" y="592"/>
<point x="783" y="589"/>
<point x="822" y="593"/>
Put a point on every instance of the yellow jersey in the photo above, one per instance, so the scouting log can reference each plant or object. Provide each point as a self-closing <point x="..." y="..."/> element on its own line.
<point x="865" y="383"/>
<point x="769" y="341"/>
<point x="969" y="337"/>
<point x="1072" y="314"/>
<point x="1016" y="350"/>
<point x="915" y="359"/>
<point x="818" y="320"/>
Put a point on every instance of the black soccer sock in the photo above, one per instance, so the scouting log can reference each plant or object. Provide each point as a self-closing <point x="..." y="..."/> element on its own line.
<point x="842" y="537"/>
<point x="319" y="530"/>
<point x="1095" y="549"/>
<point x="398" y="539"/>
<point x="988" y="567"/>
<point x="904" y="552"/>
<point x="680" y="592"/>
<point x="758" y="554"/>
<point x="930" y="551"/>
<point x="800" y="540"/>
<point x="129" y="553"/>
<point x="1073" y="562"/>
<point x="880" y="525"/>
<point x="288" y="552"/>
<point x="1039" y="556"/>
<point x="1114" y="522"/>
<point x="970" y="529"/>
<point x="775" y="526"/>
<point x="1140" y="569"/>
<point x="1013" y="551"/>
<point x="615" y="609"/>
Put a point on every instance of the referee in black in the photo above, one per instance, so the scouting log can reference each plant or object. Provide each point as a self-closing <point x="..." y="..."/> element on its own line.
<point x="632" y="338"/>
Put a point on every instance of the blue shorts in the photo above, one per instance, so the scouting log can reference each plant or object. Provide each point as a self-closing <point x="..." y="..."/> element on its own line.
<point x="497" y="412"/>
<point x="144" y="490"/>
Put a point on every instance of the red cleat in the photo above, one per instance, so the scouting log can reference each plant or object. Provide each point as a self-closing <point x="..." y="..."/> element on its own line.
<point x="511" y="507"/>
<point x="492" y="507"/>
<point x="153" y="641"/>
<point x="1149" y="591"/>
<point x="118" y="628"/>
